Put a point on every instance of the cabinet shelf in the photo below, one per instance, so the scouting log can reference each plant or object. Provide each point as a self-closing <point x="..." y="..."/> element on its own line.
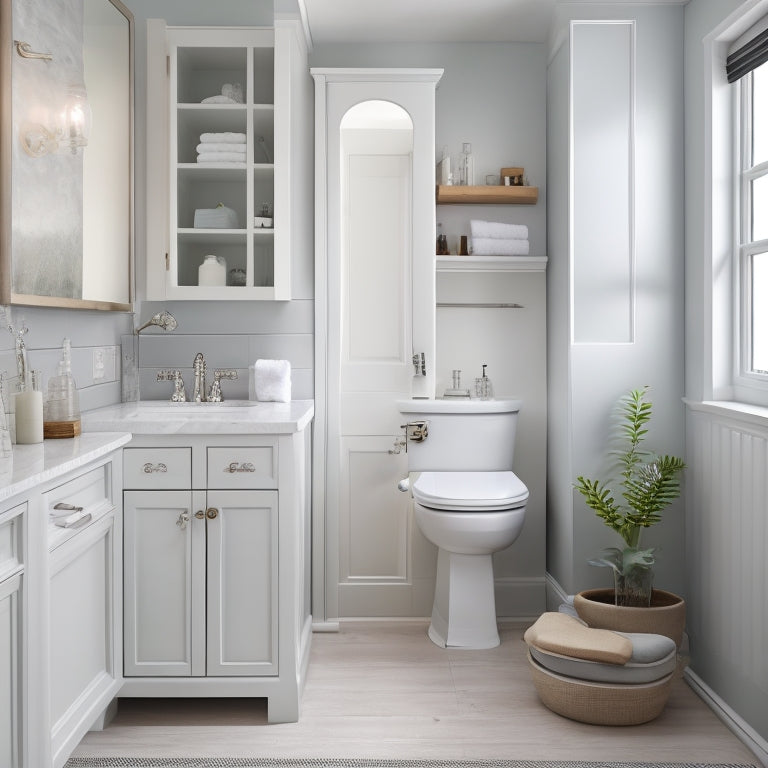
<point x="491" y="263"/>
<point x="485" y="195"/>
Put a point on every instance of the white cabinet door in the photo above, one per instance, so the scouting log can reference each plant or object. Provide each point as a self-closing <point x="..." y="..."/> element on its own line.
<point x="81" y="615"/>
<point x="242" y="582"/>
<point x="164" y="583"/>
<point x="10" y="590"/>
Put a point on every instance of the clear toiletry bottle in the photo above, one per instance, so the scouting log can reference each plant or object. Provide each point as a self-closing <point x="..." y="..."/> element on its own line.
<point x="62" y="406"/>
<point x="467" y="165"/>
<point x="6" y="448"/>
<point x="483" y="386"/>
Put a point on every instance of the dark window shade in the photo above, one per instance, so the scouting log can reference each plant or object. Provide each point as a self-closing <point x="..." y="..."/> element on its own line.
<point x="750" y="56"/>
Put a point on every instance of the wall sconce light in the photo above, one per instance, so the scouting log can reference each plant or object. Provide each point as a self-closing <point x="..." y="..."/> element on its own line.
<point x="71" y="122"/>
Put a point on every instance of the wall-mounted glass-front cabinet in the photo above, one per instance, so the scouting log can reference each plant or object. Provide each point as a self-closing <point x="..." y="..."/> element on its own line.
<point x="217" y="184"/>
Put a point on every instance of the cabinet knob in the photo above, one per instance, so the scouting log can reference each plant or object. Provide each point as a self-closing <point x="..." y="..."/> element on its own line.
<point x="183" y="520"/>
<point x="199" y="514"/>
<point x="211" y="513"/>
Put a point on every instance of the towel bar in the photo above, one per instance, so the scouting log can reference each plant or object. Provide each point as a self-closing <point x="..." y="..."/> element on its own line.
<point x="478" y="305"/>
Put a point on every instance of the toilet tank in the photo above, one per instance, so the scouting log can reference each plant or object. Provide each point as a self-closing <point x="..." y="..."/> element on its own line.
<point x="464" y="435"/>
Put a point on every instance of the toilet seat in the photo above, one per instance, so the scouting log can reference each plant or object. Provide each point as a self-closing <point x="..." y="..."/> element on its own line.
<point x="470" y="491"/>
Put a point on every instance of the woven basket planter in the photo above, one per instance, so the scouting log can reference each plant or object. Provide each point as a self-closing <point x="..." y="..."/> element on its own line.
<point x="600" y="703"/>
<point x="664" y="616"/>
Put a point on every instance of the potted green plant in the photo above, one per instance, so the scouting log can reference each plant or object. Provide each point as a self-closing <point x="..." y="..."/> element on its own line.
<point x="644" y="486"/>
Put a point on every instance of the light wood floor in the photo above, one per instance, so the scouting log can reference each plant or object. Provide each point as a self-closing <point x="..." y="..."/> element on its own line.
<point x="383" y="690"/>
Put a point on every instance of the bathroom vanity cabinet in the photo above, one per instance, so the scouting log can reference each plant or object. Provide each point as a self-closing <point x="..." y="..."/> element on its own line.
<point x="11" y="576"/>
<point x="188" y="69"/>
<point x="217" y="537"/>
<point x="201" y="553"/>
<point x="60" y="626"/>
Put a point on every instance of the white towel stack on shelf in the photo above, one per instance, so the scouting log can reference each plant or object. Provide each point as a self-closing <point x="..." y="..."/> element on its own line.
<point x="491" y="238"/>
<point x="226" y="148"/>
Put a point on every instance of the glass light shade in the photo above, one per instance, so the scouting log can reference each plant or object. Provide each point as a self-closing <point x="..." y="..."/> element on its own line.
<point x="75" y="126"/>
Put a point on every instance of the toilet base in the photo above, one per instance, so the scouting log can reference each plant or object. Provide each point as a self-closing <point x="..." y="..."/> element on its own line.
<point x="464" y="608"/>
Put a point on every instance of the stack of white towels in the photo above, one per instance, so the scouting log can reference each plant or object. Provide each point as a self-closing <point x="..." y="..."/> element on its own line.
<point x="491" y="238"/>
<point x="228" y="148"/>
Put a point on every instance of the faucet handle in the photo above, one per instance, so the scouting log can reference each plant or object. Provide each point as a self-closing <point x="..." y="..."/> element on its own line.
<point x="215" y="395"/>
<point x="179" y="393"/>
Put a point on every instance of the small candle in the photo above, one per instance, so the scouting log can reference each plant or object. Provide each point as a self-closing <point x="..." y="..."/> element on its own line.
<point x="28" y="405"/>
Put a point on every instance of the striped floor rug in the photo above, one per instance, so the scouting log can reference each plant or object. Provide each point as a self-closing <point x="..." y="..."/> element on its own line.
<point x="222" y="762"/>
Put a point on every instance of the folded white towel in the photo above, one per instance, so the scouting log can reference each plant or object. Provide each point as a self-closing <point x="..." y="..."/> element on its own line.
<point x="495" y="229"/>
<point x="221" y="147"/>
<point x="490" y="246"/>
<point x="272" y="380"/>
<point x="225" y="138"/>
<point x="218" y="100"/>
<point x="220" y="157"/>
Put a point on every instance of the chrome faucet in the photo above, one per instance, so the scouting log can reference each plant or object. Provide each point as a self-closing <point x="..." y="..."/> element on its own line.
<point x="199" y="367"/>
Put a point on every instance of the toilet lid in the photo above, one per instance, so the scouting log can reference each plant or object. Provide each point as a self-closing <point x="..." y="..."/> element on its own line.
<point x="469" y="491"/>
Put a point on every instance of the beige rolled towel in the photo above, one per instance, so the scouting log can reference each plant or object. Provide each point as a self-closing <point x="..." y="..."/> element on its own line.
<point x="560" y="633"/>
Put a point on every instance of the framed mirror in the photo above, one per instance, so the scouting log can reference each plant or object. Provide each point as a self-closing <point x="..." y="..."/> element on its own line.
<point x="66" y="154"/>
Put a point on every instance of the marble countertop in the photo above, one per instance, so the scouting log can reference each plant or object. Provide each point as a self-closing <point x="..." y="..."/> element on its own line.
<point x="239" y="417"/>
<point x="31" y="465"/>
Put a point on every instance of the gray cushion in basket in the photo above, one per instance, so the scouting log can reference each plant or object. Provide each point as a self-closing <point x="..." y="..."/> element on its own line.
<point x="653" y="657"/>
<point x="647" y="648"/>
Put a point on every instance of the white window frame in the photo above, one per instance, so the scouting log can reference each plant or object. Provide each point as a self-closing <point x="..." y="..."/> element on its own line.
<point x="748" y="386"/>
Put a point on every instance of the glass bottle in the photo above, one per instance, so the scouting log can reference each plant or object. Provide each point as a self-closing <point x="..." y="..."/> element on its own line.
<point x="467" y="165"/>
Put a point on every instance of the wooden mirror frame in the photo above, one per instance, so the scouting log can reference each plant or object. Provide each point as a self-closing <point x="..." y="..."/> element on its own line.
<point x="7" y="293"/>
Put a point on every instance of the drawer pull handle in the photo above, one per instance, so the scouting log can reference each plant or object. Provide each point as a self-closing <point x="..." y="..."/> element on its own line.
<point x="211" y="513"/>
<point x="149" y="468"/>
<point x="183" y="520"/>
<point x="237" y="466"/>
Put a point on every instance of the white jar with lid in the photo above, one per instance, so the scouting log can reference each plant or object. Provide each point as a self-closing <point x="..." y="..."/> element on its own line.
<point x="213" y="271"/>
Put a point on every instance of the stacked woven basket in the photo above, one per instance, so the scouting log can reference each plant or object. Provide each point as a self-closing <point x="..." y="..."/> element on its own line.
<point x="597" y="675"/>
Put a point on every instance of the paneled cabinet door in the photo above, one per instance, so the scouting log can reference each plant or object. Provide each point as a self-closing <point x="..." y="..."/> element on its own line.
<point x="242" y="583"/>
<point x="10" y="593"/>
<point x="164" y="583"/>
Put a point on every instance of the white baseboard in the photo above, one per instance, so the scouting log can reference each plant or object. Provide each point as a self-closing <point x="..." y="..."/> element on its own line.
<point x="746" y="734"/>
<point x="325" y="626"/>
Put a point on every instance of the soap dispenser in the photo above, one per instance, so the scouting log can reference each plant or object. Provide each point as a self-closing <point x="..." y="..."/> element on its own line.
<point x="483" y="386"/>
<point x="62" y="406"/>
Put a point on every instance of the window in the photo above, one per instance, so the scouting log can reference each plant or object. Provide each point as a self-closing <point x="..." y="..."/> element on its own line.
<point x="753" y="238"/>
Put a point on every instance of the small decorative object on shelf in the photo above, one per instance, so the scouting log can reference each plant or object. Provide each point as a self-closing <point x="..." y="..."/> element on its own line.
<point x="264" y="221"/>
<point x="442" y="242"/>
<point x="467" y="165"/>
<point x="444" y="175"/>
<point x="513" y="176"/>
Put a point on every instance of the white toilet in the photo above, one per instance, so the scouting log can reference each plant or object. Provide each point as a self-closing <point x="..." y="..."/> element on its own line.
<point x="470" y="504"/>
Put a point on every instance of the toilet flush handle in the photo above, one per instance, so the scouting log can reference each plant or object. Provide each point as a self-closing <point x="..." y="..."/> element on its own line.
<point x="416" y="431"/>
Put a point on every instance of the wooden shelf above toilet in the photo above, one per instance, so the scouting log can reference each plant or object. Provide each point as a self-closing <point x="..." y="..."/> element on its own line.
<point x="485" y="195"/>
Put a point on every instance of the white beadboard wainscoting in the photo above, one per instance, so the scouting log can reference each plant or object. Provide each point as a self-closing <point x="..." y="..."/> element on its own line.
<point x="726" y="486"/>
